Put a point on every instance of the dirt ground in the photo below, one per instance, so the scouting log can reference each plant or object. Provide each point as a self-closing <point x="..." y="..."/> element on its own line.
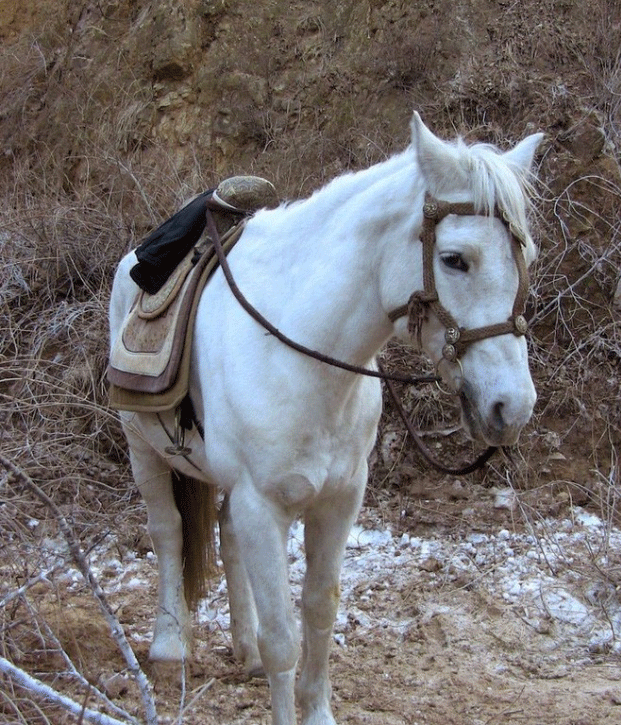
<point x="423" y="644"/>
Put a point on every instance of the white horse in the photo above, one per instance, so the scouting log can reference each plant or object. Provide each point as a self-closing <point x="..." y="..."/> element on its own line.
<point x="286" y="435"/>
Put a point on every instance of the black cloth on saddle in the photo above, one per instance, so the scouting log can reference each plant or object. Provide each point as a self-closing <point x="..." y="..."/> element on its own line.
<point x="163" y="250"/>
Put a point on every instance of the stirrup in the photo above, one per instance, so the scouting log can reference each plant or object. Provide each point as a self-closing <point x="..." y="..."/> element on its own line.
<point x="178" y="448"/>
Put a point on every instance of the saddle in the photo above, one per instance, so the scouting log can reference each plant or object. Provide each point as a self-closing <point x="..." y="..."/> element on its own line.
<point x="150" y="359"/>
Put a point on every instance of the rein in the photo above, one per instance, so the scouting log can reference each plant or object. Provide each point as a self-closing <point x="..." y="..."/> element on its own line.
<point x="479" y="462"/>
<point x="457" y="339"/>
<point x="258" y="317"/>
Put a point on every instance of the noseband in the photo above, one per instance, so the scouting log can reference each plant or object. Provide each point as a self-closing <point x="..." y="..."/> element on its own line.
<point x="458" y="339"/>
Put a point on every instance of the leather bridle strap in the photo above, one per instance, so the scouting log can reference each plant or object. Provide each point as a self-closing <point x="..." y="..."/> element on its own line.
<point x="457" y="339"/>
<point x="421" y="302"/>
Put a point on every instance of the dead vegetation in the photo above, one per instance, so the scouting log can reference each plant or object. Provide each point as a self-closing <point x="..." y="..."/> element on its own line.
<point x="96" y="151"/>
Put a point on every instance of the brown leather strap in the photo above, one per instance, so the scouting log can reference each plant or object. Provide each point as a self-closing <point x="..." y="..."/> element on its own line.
<point x="466" y="468"/>
<point x="458" y="339"/>
<point x="258" y="317"/>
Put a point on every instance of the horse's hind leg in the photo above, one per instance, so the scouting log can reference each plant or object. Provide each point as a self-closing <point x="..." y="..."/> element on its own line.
<point x="326" y="529"/>
<point x="243" y="611"/>
<point x="172" y="636"/>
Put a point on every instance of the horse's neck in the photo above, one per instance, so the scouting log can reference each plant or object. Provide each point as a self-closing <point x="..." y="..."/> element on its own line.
<point x="331" y="251"/>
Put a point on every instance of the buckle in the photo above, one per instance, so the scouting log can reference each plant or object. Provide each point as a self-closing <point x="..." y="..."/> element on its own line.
<point x="430" y="210"/>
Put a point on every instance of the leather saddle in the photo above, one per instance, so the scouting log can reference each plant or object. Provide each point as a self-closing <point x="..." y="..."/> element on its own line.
<point x="150" y="358"/>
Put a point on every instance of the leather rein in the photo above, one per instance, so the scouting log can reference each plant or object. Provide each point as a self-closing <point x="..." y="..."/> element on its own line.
<point x="417" y="309"/>
<point x="256" y="315"/>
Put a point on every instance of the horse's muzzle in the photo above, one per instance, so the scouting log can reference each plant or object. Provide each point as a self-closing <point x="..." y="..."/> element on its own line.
<point x="496" y="424"/>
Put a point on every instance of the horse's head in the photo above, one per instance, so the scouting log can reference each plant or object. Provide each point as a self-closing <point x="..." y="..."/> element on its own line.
<point x="476" y="250"/>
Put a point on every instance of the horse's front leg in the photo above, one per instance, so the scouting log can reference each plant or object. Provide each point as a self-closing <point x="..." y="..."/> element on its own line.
<point x="261" y="527"/>
<point x="327" y="526"/>
<point x="241" y="602"/>
<point x="172" y="635"/>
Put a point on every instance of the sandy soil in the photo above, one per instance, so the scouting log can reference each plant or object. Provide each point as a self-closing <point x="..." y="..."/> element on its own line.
<point x="424" y="635"/>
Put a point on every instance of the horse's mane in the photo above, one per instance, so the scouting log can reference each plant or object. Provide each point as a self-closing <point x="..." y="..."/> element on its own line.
<point x="496" y="182"/>
<point x="490" y="177"/>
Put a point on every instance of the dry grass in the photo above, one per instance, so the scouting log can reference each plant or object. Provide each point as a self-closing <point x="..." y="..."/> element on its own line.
<point x="70" y="211"/>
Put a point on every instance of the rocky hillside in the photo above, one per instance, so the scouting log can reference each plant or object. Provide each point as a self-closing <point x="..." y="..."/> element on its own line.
<point x="93" y="91"/>
<point x="114" y="111"/>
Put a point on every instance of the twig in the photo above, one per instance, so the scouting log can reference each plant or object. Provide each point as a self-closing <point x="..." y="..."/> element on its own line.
<point x="80" y="561"/>
<point x="43" y="691"/>
<point x="74" y="672"/>
<point x="41" y="577"/>
<point x="507" y="712"/>
<point x="201" y="691"/>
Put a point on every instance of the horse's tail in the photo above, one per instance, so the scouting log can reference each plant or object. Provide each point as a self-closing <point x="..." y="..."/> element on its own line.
<point x="197" y="506"/>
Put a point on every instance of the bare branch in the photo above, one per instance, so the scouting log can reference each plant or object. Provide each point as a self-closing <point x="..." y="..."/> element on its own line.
<point x="80" y="561"/>
<point x="42" y="691"/>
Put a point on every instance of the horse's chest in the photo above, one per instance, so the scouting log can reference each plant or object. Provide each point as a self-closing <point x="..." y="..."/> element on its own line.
<point x="315" y="466"/>
<point x="326" y="449"/>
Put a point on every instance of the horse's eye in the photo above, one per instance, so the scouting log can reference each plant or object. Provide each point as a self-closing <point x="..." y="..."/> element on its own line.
<point x="453" y="260"/>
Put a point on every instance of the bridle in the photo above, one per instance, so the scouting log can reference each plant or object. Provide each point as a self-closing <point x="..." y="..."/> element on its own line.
<point x="457" y="339"/>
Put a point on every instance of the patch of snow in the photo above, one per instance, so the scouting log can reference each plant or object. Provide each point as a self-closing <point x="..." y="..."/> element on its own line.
<point x="530" y="572"/>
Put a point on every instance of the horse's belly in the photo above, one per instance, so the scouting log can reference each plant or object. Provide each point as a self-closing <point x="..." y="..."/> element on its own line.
<point x="158" y="432"/>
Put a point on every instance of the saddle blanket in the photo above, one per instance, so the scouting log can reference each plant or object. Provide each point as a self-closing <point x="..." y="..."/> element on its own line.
<point x="150" y="359"/>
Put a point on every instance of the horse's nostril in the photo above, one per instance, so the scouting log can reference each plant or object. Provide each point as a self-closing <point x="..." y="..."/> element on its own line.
<point x="498" y="416"/>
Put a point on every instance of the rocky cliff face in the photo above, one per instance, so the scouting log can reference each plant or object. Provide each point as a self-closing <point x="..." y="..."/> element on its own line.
<point x="114" y="111"/>
<point x="296" y="90"/>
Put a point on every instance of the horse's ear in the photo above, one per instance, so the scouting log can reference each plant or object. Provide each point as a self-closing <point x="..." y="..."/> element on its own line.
<point x="523" y="154"/>
<point x="437" y="159"/>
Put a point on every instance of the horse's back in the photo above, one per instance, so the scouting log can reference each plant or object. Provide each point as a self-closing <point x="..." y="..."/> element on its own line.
<point x="124" y="291"/>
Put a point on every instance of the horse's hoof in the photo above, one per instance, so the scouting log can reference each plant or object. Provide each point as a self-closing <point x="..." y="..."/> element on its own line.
<point x="166" y="672"/>
<point x="255" y="671"/>
<point x="169" y="651"/>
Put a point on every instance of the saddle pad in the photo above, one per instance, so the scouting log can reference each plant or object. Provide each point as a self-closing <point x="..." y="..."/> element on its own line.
<point x="150" y="359"/>
<point x="152" y="306"/>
